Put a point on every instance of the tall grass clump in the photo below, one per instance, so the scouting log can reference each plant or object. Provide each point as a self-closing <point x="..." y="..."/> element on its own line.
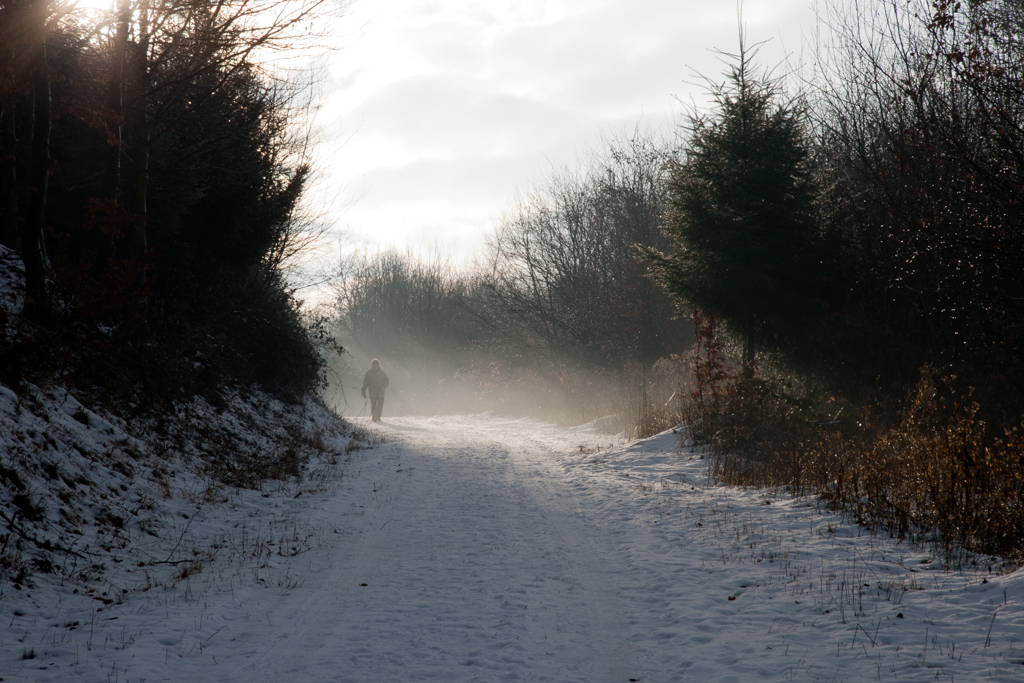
<point x="654" y="398"/>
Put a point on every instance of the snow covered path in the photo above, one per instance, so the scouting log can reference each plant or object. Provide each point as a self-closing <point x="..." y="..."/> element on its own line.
<point x="497" y="550"/>
<point x="482" y="549"/>
<point x="478" y="565"/>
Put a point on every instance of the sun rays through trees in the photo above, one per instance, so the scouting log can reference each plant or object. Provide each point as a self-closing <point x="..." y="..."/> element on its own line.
<point x="825" y="283"/>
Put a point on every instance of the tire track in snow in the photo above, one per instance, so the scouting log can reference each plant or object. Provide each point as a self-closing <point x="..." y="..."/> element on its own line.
<point x="597" y="563"/>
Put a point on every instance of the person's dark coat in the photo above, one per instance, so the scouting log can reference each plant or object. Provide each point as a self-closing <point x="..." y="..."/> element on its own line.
<point x="374" y="382"/>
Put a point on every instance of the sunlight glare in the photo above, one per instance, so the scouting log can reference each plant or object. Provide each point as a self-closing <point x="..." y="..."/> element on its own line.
<point x="90" y="6"/>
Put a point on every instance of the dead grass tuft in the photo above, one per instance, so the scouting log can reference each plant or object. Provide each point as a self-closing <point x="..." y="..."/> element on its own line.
<point x="656" y="399"/>
<point x="189" y="569"/>
<point x="365" y="437"/>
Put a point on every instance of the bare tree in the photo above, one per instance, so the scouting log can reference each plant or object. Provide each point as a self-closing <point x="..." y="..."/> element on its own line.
<point x="565" y="275"/>
<point x="921" y="118"/>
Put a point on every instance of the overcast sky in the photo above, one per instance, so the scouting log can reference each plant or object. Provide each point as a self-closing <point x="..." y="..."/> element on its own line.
<point x="436" y="110"/>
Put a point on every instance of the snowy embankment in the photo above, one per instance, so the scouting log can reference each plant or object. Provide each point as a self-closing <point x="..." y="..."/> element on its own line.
<point x="102" y="520"/>
<point x="481" y="549"/>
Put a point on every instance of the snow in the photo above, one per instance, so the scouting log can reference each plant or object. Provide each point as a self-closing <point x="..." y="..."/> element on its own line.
<point x="12" y="270"/>
<point x="478" y="548"/>
<point x="99" y="516"/>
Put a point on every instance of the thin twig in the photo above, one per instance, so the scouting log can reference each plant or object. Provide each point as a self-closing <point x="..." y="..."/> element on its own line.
<point x="185" y="531"/>
<point x="45" y="545"/>
<point x="988" y="638"/>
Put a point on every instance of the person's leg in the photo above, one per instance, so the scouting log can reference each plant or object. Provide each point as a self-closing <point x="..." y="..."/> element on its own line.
<point x="377" y="407"/>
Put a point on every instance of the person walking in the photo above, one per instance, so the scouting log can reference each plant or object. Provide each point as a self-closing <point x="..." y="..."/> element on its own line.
<point x="375" y="381"/>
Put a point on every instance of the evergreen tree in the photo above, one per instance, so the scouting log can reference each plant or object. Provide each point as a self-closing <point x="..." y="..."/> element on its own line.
<point x="170" y="292"/>
<point x="742" y="213"/>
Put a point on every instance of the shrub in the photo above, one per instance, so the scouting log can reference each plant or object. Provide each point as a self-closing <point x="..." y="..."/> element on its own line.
<point x="936" y="474"/>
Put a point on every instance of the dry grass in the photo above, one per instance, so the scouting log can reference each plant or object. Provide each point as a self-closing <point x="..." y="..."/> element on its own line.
<point x="934" y="472"/>
<point x="656" y="399"/>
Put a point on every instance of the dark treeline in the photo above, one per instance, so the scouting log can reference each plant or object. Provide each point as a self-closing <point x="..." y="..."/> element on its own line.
<point x="555" y="315"/>
<point x="861" y="243"/>
<point x="923" y="137"/>
<point x="149" y="176"/>
<point x="870" y="226"/>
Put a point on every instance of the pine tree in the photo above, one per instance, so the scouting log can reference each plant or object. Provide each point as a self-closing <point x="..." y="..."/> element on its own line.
<point x="742" y="213"/>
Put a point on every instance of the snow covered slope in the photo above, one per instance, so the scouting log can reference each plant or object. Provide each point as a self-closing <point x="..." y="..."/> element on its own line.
<point x="96" y="512"/>
<point x="483" y="549"/>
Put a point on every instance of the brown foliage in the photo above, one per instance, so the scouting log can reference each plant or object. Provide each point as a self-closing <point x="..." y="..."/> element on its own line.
<point x="936" y="474"/>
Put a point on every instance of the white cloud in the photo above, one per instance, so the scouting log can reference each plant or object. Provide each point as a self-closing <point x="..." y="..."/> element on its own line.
<point x="447" y="105"/>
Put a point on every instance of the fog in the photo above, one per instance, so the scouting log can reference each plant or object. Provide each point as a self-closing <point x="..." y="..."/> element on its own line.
<point x="557" y="319"/>
<point x="428" y="383"/>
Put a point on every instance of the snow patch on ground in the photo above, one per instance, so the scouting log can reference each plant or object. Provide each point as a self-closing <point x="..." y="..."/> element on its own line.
<point x="752" y="584"/>
<point x="477" y="548"/>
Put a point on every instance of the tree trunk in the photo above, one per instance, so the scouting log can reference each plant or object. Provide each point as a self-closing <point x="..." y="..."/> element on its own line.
<point x="112" y="179"/>
<point x="11" y="19"/>
<point x="32" y="247"/>
<point x="8" y="175"/>
<point x="139" y="237"/>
